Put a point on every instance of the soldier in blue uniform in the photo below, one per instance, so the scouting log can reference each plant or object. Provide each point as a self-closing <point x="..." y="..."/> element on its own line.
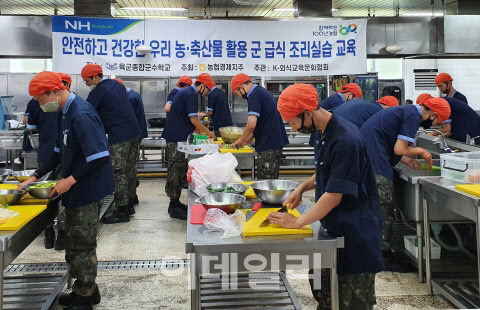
<point x="463" y="121"/>
<point x="182" y="120"/>
<point x="45" y="123"/>
<point x="346" y="93"/>
<point x="26" y="145"/>
<point x="388" y="137"/>
<point x="346" y="196"/>
<point x="110" y="100"/>
<point x="218" y="109"/>
<point x="137" y="105"/>
<point x="82" y="150"/>
<point x="264" y="124"/>
<point x="182" y="82"/>
<point x="445" y="84"/>
<point x="358" y="111"/>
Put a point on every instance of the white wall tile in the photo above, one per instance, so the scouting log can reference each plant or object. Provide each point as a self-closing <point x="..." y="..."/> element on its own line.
<point x="466" y="77"/>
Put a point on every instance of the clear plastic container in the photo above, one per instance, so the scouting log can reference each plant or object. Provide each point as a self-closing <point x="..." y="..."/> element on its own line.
<point x="411" y="244"/>
<point x="462" y="167"/>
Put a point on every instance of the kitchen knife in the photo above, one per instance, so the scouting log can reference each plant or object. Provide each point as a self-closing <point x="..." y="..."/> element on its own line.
<point x="266" y="222"/>
<point x="251" y="213"/>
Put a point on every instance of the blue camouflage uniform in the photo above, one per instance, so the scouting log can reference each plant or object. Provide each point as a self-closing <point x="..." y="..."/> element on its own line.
<point x="110" y="100"/>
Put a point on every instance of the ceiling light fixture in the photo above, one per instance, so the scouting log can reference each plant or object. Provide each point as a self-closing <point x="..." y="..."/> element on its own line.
<point x="157" y="17"/>
<point x="422" y="14"/>
<point x="249" y="2"/>
<point x="155" y="9"/>
<point x="284" y="10"/>
<point x="144" y="48"/>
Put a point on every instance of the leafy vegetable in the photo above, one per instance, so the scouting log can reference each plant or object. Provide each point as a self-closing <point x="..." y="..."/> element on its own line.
<point x="229" y="190"/>
<point x="229" y="146"/>
<point x="45" y="185"/>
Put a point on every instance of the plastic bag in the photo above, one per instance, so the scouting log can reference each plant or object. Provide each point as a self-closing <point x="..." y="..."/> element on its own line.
<point x="211" y="168"/>
<point x="231" y="225"/>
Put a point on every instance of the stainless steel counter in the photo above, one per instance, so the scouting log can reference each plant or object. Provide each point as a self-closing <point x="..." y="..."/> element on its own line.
<point x="439" y="192"/>
<point x="211" y="254"/>
<point x="411" y="204"/>
<point x="12" y="243"/>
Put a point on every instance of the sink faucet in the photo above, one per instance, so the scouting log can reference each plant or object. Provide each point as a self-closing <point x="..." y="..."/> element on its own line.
<point x="442" y="144"/>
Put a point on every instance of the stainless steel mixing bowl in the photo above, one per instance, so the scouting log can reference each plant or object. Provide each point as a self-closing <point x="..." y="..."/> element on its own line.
<point x="24" y="175"/>
<point x="5" y="174"/>
<point x="11" y="196"/>
<point x="226" y="202"/>
<point x="39" y="193"/>
<point x="240" y="189"/>
<point x="266" y="193"/>
<point x="35" y="140"/>
<point x="230" y="134"/>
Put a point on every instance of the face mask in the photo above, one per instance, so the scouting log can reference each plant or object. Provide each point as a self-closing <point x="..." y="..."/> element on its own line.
<point x="51" y="106"/>
<point x="447" y="90"/>
<point x="426" y="124"/>
<point x="306" y="130"/>
<point x="244" y="95"/>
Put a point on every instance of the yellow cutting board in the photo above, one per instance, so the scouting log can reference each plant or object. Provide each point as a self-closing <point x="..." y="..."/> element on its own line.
<point x="29" y="200"/>
<point x="26" y="199"/>
<point x="26" y="214"/>
<point x="245" y="149"/>
<point x="8" y="186"/>
<point x="249" y="194"/>
<point x="252" y="227"/>
<point x="473" y="189"/>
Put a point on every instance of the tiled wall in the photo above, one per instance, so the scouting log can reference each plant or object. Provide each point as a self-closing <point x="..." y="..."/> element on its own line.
<point x="466" y="77"/>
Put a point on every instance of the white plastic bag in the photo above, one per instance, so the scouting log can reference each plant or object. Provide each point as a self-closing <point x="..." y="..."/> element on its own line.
<point x="211" y="168"/>
<point x="231" y="225"/>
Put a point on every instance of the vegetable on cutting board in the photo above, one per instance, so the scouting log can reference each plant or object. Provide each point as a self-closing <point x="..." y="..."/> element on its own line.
<point x="229" y="146"/>
<point x="427" y="167"/>
<point x="5" y="214"/>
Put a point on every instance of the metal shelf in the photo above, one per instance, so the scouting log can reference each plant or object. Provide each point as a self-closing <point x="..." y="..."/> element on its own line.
<point x="34" y="291"/>
<point x="463" y="293"/>
<point x="248" y="291"/>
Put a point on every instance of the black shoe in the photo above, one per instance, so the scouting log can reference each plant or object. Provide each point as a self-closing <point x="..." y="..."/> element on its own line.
<point x="49" y="240"/>
<point x="184" y="184"/>
<point x="135" y="200"/>
<point x="121" y="215"/>
<point x="66" y="299"/>
<point x="60" y="242"/>
<point x="80" y="303"/>
<point x="131" y="209"/>
<point x="177" y="210"/>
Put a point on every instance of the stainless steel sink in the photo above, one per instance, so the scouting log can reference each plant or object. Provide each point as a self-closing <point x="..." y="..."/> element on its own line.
<point x="410" y="195"/>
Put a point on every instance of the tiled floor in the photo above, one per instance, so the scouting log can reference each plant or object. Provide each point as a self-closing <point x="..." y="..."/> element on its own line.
<point x="151" y="234"/>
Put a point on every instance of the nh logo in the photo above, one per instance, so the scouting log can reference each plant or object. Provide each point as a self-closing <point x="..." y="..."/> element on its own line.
<point x="77" y="25"/>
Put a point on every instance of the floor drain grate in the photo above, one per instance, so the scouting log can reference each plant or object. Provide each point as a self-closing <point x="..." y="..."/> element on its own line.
<point x="105" y="265"/>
